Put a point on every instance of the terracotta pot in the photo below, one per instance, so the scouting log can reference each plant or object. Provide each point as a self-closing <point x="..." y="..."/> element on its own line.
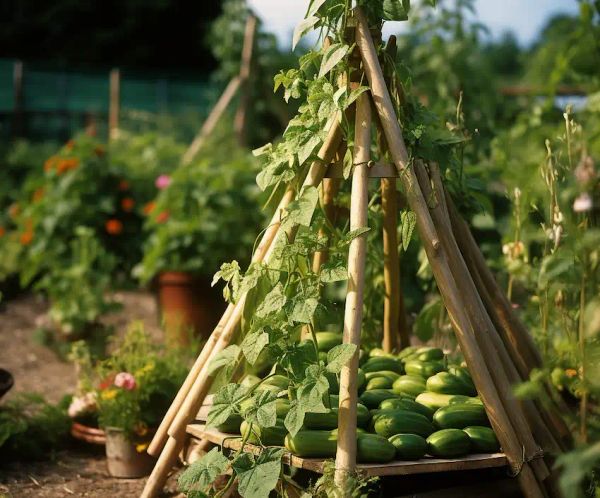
<point x="122" y="457"/>
<point x="93" y="435"/>
<point x="189" y="306"/>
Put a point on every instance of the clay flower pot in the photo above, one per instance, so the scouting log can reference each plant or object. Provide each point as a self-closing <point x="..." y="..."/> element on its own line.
<point x="123" y="458"/>
<point x="189" y="306"/>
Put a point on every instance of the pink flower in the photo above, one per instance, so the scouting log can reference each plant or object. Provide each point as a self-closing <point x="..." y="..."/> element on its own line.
<point x="582" y="203"/>
<point x="125" y="380"/>
<point x="162" y="182"/>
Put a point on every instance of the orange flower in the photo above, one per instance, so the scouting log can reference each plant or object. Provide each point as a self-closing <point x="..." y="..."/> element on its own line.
<point x="66" y="165"/>
<point x="127" y="204"/>
<point x="162" y="217"/>
<point x="70" y="144"/>
<point x="38" y="195"/>
<point x="14" y="210"/>
<point x="2" y="231"/>
<point x="99" y="150"/>
<point x="26" y="238"/>
<point x="149" y="207"/>
<point x="571" y="372"/>
<point x="49" y="164"/>
<point x="114" y="227"/>
<point x="123" y="185"/>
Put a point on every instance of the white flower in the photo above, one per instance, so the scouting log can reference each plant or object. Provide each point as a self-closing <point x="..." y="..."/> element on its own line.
<point x="82" y="404"/>
<point x="582" y="203"/>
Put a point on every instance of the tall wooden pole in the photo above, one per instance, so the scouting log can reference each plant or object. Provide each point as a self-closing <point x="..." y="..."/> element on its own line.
<point x="239" y="122"/>
<point x="345" y="461"/>
<point x="439" y="261"/>
<point x="114" y="102"/>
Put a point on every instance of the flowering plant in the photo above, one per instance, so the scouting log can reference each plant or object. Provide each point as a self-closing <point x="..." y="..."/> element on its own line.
<point x="133" y="387"/>
<point x="204" y="212"/>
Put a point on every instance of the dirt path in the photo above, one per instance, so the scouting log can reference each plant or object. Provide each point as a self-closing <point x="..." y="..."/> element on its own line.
<point x="81" y="471"/>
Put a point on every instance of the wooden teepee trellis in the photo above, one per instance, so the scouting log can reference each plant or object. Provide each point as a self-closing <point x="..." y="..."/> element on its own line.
<point x="498" y="349"/>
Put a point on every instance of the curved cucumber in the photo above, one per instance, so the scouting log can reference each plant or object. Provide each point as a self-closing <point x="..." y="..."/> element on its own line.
<point x="328" y="340"/>
<point x="268" y="436"/>
<point x="447" y="383"/>
<point x="371" y="448"/>
<point x="483" y="439"/>
<point x="379" y="383"/>
<point x="460" y="415"/>
<point x="390" y="423"/>
<point x="409" y="446"/>
<point x="448" y="443"/>
<point x="409" y="385"/>
<point x="465" y="377"/>
<point x="383" y="373"/>
<point x="435" y="401"/>
<point x="406" y="404"/>
<point x="424" y="369"/>
<point x="371" y="399"/>
<point x="329" y="419"/>
<point x="232" y="424"/>
<point x="380" y="363"/>
<point x="427" y="353"/>
<point x="312" y="444"/>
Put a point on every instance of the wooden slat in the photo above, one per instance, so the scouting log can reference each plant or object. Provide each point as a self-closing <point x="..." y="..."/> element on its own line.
<point x="425" y="465"/>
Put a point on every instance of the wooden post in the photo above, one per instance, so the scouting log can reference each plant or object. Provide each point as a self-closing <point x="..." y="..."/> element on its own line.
<point x="439" y="262"/>
<point x="211" y="121"/>
<point x="199" y="386"/>
<point x="114" y="103"/>
<point x="18" y="126"/>
<point x="345" y="461"/>
<point x="239" y="122"/>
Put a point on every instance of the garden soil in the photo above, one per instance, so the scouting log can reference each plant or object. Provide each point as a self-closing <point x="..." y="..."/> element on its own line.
<point x="81" y="470"/>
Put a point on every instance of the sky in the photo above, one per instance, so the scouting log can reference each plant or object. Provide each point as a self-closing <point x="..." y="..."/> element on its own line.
<point x="524" y="17"/>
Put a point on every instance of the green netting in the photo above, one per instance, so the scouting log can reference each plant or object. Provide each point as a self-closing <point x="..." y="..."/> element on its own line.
<point x="55" y="102"/>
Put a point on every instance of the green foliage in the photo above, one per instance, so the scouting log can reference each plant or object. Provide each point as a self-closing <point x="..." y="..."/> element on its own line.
<point x="210" y="208"/>
<point x="31" y="429"/>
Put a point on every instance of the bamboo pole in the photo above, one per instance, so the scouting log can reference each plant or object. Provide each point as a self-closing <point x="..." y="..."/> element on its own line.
<point x="202" y="383"/>
<point x="439" y="262"/>
<point x="161" y="434"/>
<point x="345" y="461"/>
<point x="239" y="122"/>
<point x="330" y="187"/>
<point x="114" y="103"/>
<point x="212" y="120"/>
<point x="503" y="372"/>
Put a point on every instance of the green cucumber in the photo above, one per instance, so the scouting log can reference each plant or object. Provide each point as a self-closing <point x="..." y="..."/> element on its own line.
<point x="406" y="352"/>
<point x="268" y="436"/>
<point x="371" y="448"/>
<point x="406" y="404"/>
<point x="328" y="340"/>
<point x="465" y="377"/>
<point x="329" y="419"/>
<point x="361" y="380"/>
<point x="483" y="439"/>
<point x="389" y="423"/>
<point x="447" y="383"/>
<point x="371" y="399"/>
<point x="232" y="424"/>
<point x="383" y="373"/>
<point x="312" y="444"/>
<point x="409" y="385"/>
<point x="460" y="415"/>
<point x="379" y="383"/>
<point x="448" y="443"/>
<point x="250" y="380"/>
<point x="424" y="369"/>
<point x="380" y="363"/>
<point x="334" y="386"/>
<point x="409" y="446"/>
<point x="429" y="354"/>
<point x="435" y="401"/>
<point x="378" y="353"/>
<point x="282" y="407"/>
<point x="280" y="381"/>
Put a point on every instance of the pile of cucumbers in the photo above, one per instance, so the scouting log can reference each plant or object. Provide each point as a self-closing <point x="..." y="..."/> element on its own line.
<point x="410" y="405"/>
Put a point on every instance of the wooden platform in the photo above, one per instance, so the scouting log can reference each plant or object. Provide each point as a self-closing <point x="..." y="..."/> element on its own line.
<point x="425" y="465"/>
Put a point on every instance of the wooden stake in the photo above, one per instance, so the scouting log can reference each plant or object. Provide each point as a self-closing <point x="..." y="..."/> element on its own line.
<point x="202" y="383"/>
<point x="114" y="103"/>
<point x="239" y="122"/>
<point x="345" y="461"/>
<point x="212" y="120"/>
<point x="439" y="262"/>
